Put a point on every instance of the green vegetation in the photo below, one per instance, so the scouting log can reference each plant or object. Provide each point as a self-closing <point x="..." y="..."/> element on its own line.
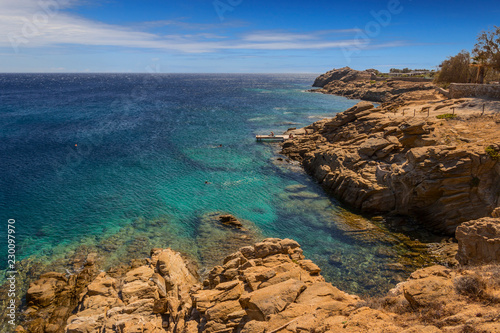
<point x="492" y="152"/>
<point x="482" y="66"/>
<point x="456" y="69"/>
<point x="487" y="52"/>
<point x="446" y="116"/>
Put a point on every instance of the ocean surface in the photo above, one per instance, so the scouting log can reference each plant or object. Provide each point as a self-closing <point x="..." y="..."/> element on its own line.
<point x="123" y="163"/>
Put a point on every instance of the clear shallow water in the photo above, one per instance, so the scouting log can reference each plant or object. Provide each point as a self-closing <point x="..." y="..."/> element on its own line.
<point x="120" y="161"/>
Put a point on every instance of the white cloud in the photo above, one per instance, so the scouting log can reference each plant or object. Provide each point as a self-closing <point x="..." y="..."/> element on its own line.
<point x="44" y="24"/>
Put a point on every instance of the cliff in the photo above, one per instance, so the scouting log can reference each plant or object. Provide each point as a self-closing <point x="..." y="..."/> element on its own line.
<point x="265" y="287"/>
<point x="382" y="161"/>
<point x="365" y="85"/>
<point x="344" y="74"/>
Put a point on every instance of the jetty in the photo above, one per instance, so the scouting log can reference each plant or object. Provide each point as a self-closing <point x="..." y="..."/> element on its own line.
<point x="272" y="137"/>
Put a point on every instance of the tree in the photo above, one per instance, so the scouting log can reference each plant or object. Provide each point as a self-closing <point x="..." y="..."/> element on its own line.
<point x="487" y="49"/>
<point x="456" y="69"/>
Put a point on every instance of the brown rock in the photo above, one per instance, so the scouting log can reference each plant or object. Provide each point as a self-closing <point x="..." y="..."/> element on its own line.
<point x="221" y="311"/>
<point x="270" y="300"/>
<point x="43" y="291"/>
<point x="479" y="241"/>
<point x="310" y="267"/>
<point x="231" y="221"/>
<point x="428" y="286"/>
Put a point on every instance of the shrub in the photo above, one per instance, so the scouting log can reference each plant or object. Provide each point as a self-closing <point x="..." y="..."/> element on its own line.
<point x="446" y="116"/>
<point x="433" y="314"/>
<point x="492" y="152"/>
<point x="470" y="285"/>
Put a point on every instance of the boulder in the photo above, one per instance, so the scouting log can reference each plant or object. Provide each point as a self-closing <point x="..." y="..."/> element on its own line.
<point x="230" y="220"/>
<point x="479" y="241"/>
<point x="271" y="300"/>
<point x="43" y="291"/>
<point x="428" y="286"/>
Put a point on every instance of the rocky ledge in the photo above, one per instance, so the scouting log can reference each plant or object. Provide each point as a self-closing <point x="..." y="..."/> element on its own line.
<point x="366" y="85"/>
<point x="266" y="287"/>
<point x="442" y="171"/>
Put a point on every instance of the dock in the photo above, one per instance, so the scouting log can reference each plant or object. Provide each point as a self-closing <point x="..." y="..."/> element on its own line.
<point x="271" y="138"/>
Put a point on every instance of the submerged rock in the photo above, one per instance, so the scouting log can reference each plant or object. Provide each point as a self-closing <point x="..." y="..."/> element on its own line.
<point x="231" y="221"/>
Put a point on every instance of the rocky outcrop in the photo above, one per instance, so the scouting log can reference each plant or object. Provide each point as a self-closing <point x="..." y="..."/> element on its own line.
<point x="365" y="85"/>
<point x="375" y="91"/>
<point x="153" y="297"/>
<point x="344" y="74"/>
<point x="265" y="287"/>
<point x="384" y="163"/>
<point x="52" y="298"/>
<point x="479" y="241"/>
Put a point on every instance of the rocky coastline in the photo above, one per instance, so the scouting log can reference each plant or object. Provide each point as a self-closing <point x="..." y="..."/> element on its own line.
<point x="266" y="287"/>
<point x="390" y="160"/>
<point x="365" y="85"/>
<point x="433" y="164"/>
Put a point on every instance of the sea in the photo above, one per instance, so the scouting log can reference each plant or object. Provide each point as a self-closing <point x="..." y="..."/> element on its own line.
<point x="122" y="163"/>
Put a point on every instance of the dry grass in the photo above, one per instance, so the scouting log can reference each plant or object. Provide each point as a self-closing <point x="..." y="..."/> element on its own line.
<point x="433" y="314"/>
<point x="481" y="286"/>
<point x="472" y="286"/>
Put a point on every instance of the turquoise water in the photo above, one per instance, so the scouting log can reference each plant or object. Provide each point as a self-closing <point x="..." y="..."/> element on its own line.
<point x="85" y="158"/>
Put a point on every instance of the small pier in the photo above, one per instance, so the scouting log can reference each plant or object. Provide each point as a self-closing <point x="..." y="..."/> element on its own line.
<point x="271" y="137"/>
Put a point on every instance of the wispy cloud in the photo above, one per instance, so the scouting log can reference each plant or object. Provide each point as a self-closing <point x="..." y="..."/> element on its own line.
<point x="29" y="24"/>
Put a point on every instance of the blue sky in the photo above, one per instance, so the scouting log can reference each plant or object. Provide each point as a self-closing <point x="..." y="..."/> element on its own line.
<point x="236" y="35"/>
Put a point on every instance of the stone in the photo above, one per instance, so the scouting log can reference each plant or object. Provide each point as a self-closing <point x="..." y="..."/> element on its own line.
<point x="221" y="311"/>
<point x="428" y="287"/>
<point x="479" y="241"/>
<point x="371" y="146"/>
<point x="170" y="264"/>
<point x="138" y="290"/>
<point x="271" y="300"/>
<point x="322" y="292"/>
<point x="230" y="220"/>
<point x="310" y="267"/>
<point x="264" y="249"/>
<point x="43" y="291"/>
<point x="103" y="285"/>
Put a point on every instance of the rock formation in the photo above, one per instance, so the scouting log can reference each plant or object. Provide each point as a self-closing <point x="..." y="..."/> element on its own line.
<point x="266" y="287"/>
<point x="377" y="161"/>
<point x="344" y="74"/>
<point x="364" y="85"/>
<point x="479" y="241"/>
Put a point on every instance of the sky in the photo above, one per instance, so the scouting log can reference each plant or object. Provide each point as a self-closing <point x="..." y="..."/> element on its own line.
<point x="236" y="36"/>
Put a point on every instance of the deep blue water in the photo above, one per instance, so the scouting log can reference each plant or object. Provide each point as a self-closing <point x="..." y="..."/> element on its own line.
<point x="82" y="156"/>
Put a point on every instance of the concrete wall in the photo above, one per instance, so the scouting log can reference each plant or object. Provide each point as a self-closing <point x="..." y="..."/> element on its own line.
<point x="459" y="90"/>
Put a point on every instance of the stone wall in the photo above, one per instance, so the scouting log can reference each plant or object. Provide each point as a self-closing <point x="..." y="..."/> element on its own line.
<point x="444" y="92"/>
<point x="407" y="79"/>
<point x="459" y="90"/>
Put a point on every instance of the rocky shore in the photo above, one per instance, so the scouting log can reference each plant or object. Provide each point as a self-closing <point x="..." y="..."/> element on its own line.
<point x="366" y="85"/>
<point x="391" y="159"/>
<point x="265" y="287"/>
<point x="413" y="155"/>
